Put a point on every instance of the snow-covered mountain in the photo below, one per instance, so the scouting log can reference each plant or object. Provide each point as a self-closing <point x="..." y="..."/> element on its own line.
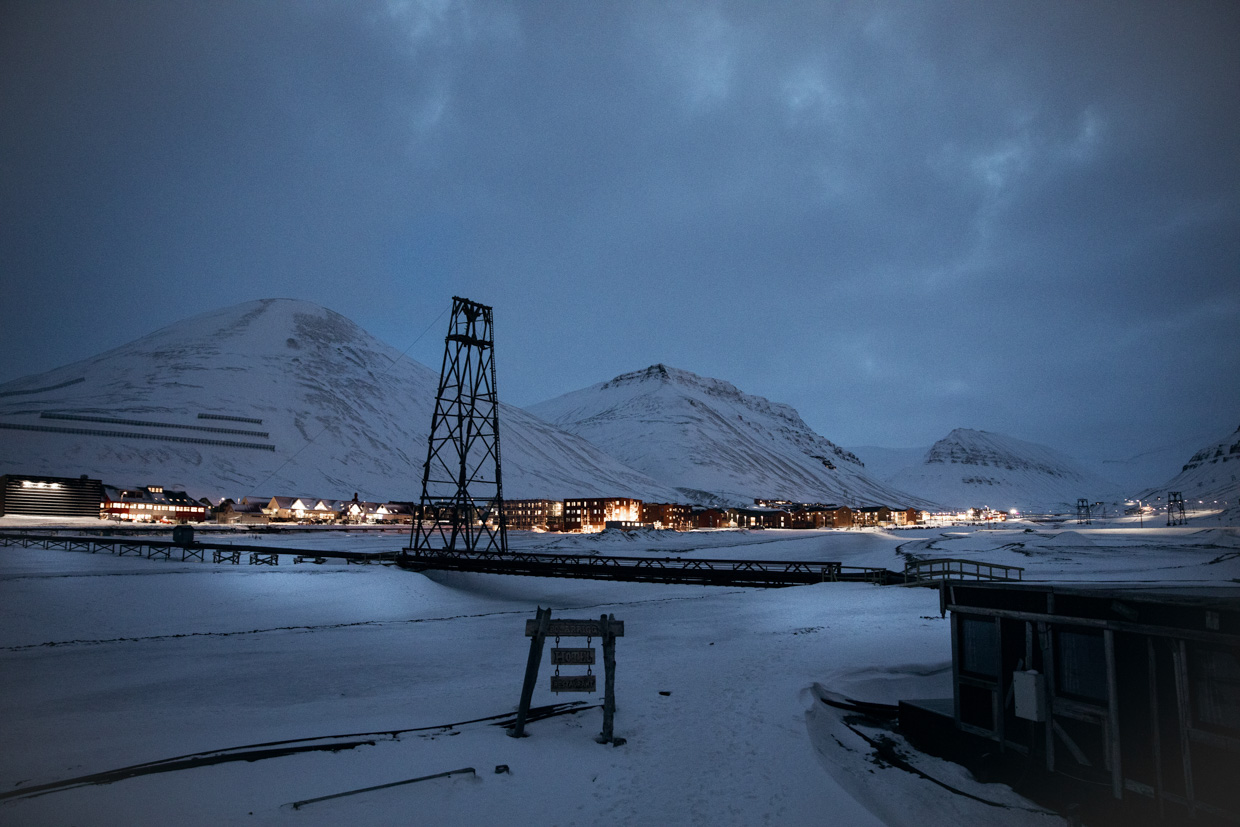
<point x="1154" y="463"/>
<point x="271" y="397"/>
<point x="715" y="443"/>
<point x="970" y="468"/>
<point x="1212" y="474"/>
<point x="883" y="463"/>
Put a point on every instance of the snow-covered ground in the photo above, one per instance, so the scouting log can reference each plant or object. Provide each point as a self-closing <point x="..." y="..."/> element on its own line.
<point x="108" y="662"/>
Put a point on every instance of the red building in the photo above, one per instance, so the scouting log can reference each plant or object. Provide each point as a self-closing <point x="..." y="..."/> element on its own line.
<point x="668" y="515"/>
<point x="711" y="518"/>
<point x="150" y="504"/>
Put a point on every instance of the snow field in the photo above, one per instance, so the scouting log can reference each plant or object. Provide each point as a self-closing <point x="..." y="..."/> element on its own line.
<point x="154" y="659"/>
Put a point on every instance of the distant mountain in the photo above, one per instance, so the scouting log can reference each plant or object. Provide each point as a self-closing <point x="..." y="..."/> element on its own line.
<point x="271" y="397"/>
<point x="1153" y="464"/>
<point x="1211" y="474"/>
<point x="970" y="468"/>
<point x="714" y="442"/>
<point x="884" y="463"/>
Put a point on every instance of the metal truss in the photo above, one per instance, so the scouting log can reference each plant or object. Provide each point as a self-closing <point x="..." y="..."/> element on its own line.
<point x="1175" y="508"/>
<point x="462" y="495"/>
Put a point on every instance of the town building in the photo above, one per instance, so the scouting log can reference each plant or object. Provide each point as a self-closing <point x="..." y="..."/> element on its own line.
<point x="1122" y="698"/>
<point x="40" y="496"/>
<point x="711" y="518"/>
<point x="821" y="516"/>
<point x="246" y="512"/>
<point x="593" y="514"/>
<point x="532" y="515"/>
<point x="394" y="513"/>
<point x="668" y="515"/>
<point x="326" y="511"/>
<point x="151" y="503"/>
<point x="759" y="518"/>
<point x="289" y="509"/>
<point x="906" y="516"/>
<point x="872" y="515"/>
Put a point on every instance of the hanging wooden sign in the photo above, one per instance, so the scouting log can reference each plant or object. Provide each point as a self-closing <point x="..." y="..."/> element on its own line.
<point x="606" y="629"/>
<point x="573" y="683"/>
<point x="573" y="657"/>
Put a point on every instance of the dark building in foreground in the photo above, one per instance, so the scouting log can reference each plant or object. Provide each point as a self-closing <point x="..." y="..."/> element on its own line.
<point x="1123" y="700"/>
<point x="50" y="496"/>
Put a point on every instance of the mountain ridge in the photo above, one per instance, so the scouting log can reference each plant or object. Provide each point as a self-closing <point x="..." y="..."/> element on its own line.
<point x="704" y="435"/>
<point x="1211" y="473"/>
<point x="969" y="468"/>
<point x="343" y="413"/>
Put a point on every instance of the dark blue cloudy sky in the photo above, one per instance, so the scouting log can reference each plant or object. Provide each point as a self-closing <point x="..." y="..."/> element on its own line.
<point x="900" y="218"/>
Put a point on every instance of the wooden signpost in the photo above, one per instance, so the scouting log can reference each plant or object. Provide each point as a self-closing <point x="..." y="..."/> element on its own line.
<point x="606" y="629"/>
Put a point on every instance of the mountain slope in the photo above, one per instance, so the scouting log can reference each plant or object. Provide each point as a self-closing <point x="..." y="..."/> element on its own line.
<point x="970" y="468"/>
<point x="883" y="463"/>
<point x="714" y="442"/>
<point x="334" y="410"/>
<point x="1211" y="474"/>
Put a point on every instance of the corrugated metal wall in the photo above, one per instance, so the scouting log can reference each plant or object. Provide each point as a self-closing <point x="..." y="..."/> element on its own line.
<point x="50" y="496"/>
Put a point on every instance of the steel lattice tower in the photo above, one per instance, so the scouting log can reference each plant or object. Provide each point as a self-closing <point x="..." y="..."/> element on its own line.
<point x="1082" y="511"/>
<point x="1175" y="508"/>
<point x="462" y="496"/>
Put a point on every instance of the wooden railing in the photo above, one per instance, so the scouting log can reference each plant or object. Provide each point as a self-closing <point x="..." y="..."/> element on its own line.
<point x="951" y="568"/>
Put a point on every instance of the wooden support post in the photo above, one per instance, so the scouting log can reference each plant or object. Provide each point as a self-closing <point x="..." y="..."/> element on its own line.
<point x="1160" y="791"/>
<point x="609" y="678"/>
<point x="543" y="618"/>
<point x="1179" y="659"/>
<point x="1112" y="723"/>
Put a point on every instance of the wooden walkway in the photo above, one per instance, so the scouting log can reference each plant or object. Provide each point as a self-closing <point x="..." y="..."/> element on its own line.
<point x="682" y="570"/>
<point x="151" y="548"/>
<point x="692" y="571"/>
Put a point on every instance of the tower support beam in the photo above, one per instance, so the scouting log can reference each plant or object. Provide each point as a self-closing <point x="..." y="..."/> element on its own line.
<point x="461" y="508"/>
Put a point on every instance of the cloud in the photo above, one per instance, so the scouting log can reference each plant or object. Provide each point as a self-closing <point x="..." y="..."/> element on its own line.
<point x="732" y="188"/>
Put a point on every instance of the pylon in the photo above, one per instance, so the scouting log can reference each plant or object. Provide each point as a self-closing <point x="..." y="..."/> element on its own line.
<point x="1175" y="508"/>
<point x="462" y="493"/>
<point x="1082" y="511"/>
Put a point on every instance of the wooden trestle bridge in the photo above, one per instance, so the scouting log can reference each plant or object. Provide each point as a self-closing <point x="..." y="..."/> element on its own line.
<point x="682" y="570"/>
<point x="695" y="570"/>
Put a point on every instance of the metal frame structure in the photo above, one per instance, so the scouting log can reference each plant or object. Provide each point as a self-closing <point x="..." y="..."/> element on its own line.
<point x="462" y="493"/>
<point x="1175" y="508"/>
<point x="1083" y="513"/>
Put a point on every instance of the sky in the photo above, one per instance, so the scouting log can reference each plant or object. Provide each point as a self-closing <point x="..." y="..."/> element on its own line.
<point x="900" y="218"/>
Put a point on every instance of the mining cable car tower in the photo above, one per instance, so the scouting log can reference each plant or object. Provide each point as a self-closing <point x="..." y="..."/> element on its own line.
<point x="1175" y="508"/>
<point x="462" y="505"/>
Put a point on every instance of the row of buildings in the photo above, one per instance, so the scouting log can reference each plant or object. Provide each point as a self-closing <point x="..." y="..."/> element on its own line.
<point x="153" y="503"/>
<point x="312" y="510"/>
<point x="597" y="513"/>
